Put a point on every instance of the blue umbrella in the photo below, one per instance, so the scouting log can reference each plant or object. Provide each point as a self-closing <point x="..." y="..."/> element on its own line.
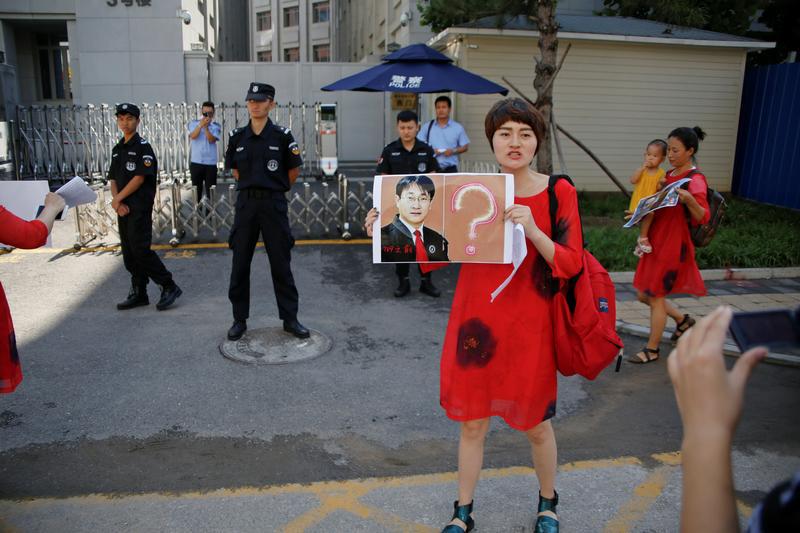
<point x="417" y="69"/>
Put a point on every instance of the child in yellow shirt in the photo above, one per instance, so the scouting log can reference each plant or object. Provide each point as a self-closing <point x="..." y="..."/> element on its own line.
<point x="647" y="180"/>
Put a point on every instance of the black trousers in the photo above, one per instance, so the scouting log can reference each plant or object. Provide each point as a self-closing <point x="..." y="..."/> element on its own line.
<point x="203" y="177"/>
<point x="263" y="212"/>
<point x="135" y="237"/>
<point x="403" y="269"/>
<point x="452" y="169"/>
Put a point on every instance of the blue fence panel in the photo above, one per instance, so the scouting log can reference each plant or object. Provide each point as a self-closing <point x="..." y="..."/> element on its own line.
<point x="768" y="146"/>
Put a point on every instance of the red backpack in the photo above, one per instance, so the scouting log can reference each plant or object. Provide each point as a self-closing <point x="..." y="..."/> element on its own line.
<point x="585" y="314"/>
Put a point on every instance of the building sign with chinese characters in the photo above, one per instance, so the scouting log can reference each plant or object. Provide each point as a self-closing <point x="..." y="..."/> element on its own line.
<point x="404" y="101"/>
<point x="405" y="82"/>
<point x="129" y="3"/>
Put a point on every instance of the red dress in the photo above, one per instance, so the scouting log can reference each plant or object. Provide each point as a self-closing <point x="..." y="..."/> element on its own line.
<point x="670" y="268"/>
<point x="20" y="234"/>
<point x="498" y="358"/>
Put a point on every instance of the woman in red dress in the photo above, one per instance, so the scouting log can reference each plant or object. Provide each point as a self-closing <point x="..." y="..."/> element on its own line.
<point x="20" y="234"/>
<point x="671" y="267"/>
<point x="498" y="358"/>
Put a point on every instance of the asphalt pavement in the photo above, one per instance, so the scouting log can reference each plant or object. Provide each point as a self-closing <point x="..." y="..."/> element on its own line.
<point x="133" y="421"/>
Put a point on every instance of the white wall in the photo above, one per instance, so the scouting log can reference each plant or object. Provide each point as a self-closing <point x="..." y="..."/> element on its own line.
<point x="615" y="98"/>
<point x="129" y="53"/>
<point x="361" y="114"/>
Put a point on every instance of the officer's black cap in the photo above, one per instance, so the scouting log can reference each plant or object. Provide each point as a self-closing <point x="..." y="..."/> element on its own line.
<point x="260" y="92"/>
<point x="127" y="109"/>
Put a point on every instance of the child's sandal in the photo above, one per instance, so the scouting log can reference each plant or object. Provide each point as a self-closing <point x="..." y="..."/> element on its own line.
<point x="645" y="352"/>
<point x="546" y="519"/>
<point x="682" y="326"/>
<point x="462" y="521"/>
<point x="644" y="244"/>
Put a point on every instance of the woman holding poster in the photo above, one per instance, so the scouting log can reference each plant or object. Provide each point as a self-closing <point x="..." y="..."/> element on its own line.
<point x="498" y="358"/>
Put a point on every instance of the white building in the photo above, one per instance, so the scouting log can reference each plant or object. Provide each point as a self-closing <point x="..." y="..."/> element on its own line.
<point x="291" y="30"/>
<point x="91" y="51"/>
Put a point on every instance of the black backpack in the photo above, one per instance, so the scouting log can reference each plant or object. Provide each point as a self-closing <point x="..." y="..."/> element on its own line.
<point x="703" y="234"/>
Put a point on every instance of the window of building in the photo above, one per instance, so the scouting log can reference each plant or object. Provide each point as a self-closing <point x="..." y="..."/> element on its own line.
<point x="53" y="68"/>
<point x="263" y="20"/>
<point x="320" y="12"/>
<point x="322" y="53"/>
<point x="291" y="16"/>
<point x="264" y="55"/>
<point x="291" y="54"/>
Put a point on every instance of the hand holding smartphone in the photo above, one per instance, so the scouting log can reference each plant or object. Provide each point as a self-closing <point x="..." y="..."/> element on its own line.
<point x="778" y="328"/>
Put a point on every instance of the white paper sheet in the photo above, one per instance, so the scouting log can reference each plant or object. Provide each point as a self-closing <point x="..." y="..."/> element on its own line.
<point x="76" y="192"/>
<point x="519" y="250"/>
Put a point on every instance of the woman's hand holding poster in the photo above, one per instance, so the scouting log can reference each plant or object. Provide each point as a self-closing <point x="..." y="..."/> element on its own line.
<point x="456" y="218"/>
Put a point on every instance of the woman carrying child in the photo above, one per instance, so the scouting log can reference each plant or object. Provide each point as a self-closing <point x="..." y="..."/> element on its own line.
<point x="647" y="180"/>
<point x="671" y="267"/>
<point x="498" y="358"/>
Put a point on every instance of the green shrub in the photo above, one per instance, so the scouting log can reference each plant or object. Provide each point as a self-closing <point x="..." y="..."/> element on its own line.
<point x="751" y="235"/>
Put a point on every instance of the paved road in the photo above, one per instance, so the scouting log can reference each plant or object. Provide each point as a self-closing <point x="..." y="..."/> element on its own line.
<point x="134" y="422"/>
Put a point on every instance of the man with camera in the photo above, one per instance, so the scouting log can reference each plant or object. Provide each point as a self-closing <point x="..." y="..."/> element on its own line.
<point x="204" y="134"/>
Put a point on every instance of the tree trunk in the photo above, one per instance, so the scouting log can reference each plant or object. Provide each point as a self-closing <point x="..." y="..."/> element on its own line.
<point x="545" y="70"/>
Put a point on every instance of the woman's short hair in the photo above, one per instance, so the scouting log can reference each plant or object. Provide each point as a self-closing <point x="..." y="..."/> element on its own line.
<point x="515" y="110"/>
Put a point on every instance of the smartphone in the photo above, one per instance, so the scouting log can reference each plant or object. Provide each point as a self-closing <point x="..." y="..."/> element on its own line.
<point x="59" y="216"/>
<point x="778" y="328"/>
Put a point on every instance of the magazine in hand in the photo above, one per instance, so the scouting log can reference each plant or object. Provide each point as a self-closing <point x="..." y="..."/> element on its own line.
<point x="666" y="197"/>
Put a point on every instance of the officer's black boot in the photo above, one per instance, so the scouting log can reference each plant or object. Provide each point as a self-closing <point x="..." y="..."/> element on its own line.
<point x="136" y="297"/>
<point x="237" y="330"/>
<point x="168" y="296"/>
<point x="403" y="287"/>
<point x="296" y="328"/>
<point x="426" y="286"/>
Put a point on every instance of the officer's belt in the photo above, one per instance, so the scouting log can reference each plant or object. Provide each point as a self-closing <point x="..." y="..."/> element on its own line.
<point x="262" y="193"/>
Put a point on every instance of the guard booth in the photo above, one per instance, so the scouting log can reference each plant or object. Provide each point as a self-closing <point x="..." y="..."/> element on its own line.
<point x="329" y="157"/>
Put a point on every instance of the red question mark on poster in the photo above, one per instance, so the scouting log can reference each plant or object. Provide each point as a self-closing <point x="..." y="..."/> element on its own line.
<point x="485" y="217"/>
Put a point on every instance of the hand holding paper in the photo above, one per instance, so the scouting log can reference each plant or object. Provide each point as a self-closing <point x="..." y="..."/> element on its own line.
<point x="75" y="192"/>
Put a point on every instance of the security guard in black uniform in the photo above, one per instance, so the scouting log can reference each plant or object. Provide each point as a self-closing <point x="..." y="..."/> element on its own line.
<point x="133" y="174"/>
<point x="265" y="161"/>
<point x="409" y="155"/>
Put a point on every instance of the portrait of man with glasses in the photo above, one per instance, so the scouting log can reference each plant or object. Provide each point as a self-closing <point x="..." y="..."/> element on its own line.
<point x="406" y="238"/>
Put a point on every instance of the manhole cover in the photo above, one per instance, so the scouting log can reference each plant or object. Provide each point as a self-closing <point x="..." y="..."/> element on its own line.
<point x="273" y="346"/>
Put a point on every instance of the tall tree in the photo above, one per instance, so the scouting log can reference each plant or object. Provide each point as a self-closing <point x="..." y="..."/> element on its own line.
<point x="724" y="16"/>
<point x="441" y="14"/>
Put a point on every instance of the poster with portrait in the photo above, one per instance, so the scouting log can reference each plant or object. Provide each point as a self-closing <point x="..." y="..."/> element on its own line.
<point x="454" y="218"/>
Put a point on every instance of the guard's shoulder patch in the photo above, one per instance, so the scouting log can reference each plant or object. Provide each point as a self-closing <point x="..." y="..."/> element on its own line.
<point x="287" y="131"/>
<point x="142" y="140"/>
<point x="235" y="131"/>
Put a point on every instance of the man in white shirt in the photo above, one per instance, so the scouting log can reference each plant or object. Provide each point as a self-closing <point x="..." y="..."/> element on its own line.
<point x="204" y="134"/>
<point x="446" y="136"/>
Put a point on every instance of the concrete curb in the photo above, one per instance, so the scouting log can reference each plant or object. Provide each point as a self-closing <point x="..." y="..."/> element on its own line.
<point x="728" y="348"/>
<point x="726" y="273"/>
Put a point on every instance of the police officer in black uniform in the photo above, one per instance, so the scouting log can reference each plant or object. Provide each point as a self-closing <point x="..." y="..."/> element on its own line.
<point x="265" y="161"/>
<point x="133" y="175"/>
<point x="409" y="155"/>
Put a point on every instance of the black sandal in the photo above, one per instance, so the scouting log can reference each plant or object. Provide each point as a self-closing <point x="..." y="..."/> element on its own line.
<point x="647" y="359"/>
<point x="544" y="522"/>
<point x="682" y="326"/>
<point x="464" y="514"/>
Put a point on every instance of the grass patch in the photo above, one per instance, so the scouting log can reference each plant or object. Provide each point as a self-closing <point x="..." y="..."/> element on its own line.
<point x="751" y="235"/>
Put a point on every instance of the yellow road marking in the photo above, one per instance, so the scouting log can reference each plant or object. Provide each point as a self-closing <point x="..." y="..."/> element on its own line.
<point x="180" y="254"/>
<point x="322" y="487"/>
<point x="643" y="497"/>
<point x="191" y="246"/>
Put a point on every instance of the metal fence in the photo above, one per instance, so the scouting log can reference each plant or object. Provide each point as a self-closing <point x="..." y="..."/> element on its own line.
<point x="315" y="210"/>
<point x="768" y="146"/>
<point x="58" y="142"/>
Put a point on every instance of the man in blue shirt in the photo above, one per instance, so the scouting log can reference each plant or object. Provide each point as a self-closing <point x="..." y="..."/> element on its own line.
<point x="446" y="136"/>
<point x="204" y="134"/>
